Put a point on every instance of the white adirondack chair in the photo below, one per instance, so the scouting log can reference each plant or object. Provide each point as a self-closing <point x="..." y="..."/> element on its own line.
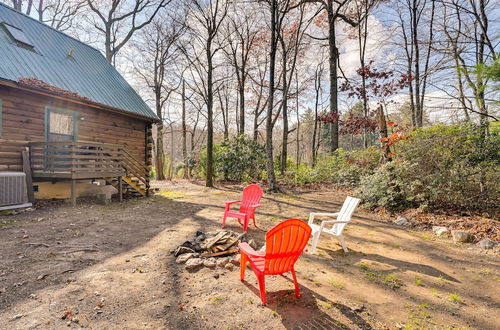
<point x="343" y="218"/>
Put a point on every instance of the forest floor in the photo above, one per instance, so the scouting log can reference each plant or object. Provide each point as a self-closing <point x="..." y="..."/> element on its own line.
<point x="110" y="267"/>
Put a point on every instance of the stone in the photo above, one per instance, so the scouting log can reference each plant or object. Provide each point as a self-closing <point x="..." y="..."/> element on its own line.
<point x="222" y="261"/>
<point x="194" y="263"/>
<point x="183" y="249"/>
<point x="486" y="243"/>
<point x="402" y="221"/>
<point x="184" y="257"/>
<point x="252" y="244"/>
<point x="210" y="263"/>
<point x="461" y="236"/>
<point x="236" y="259"/>
<point x="440" y="231"/>
<point x="103" y="199"/>
<point x="229" y="266"/>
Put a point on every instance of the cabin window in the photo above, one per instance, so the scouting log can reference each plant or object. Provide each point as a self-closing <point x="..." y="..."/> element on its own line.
<point x="17" y="35"/>
<point x="61" y="124"/>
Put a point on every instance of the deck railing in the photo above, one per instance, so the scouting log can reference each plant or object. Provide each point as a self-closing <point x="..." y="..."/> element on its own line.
<point x="82" y="160"/>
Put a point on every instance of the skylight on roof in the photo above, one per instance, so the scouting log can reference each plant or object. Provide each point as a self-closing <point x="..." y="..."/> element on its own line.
<point x="17" y="35"/>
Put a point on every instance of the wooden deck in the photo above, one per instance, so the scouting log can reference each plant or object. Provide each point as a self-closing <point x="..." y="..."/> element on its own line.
<point x="88" y="160"/>
<point x="76" y="160"/>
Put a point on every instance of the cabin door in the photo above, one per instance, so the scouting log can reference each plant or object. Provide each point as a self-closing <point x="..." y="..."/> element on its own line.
<point x="61" y="125"/>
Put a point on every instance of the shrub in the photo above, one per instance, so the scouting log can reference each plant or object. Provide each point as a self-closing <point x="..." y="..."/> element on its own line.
<point x="444" y="166"/>
<point x="345" y="169"/>
<point x="237" y="159"/>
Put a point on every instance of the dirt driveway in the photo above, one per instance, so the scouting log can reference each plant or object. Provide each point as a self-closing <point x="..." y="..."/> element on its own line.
<point x="110" y="267"/>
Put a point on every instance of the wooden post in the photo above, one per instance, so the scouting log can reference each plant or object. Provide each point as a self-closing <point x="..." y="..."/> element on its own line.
<point x="73" y="192"/>
<point x="120" y="189"/>
<point x="29" y="178"/>
<point x="149" y="152"/>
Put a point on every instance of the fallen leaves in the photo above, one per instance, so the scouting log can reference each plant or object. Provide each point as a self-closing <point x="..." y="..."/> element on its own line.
<point x="68" y="315"/>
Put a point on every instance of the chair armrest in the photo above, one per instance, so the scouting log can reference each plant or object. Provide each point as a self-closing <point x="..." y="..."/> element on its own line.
<point x="254" y="206"/>
<point x="248" y="250"/>
<point x="312" y="215"/>
<point x="323" y="214"/>
<point x="325" y="222"/>
<point x="233" y="202"/>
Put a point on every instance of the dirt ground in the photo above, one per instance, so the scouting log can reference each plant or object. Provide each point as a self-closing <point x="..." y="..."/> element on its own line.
<point x="110" y="267"/>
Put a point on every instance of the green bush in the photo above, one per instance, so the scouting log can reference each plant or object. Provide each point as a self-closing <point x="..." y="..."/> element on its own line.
<point x="344" y="169"/>
<point x="236" y="159"/>
<point x="439" y="167"/>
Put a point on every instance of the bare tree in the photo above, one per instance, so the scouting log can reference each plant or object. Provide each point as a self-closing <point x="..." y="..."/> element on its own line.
<point x="417" y="33"/>
<point x="240" y="33"/>
<point x="206" y="20"/>
<point x="336" y="10"/>
<point x="271" y="177"/>
<point x="290" y="37"/>
<point x="59" y="14"/>
<point x="118" y="20"/>
<point x="159" y="52"/>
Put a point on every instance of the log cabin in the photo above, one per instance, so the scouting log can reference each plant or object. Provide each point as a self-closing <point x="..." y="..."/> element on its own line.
<point x="67" y="117"/>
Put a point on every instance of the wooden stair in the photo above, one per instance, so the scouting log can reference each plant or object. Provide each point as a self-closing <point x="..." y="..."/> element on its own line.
<point x="136" y="180"/>
<point x="130" y="185"/>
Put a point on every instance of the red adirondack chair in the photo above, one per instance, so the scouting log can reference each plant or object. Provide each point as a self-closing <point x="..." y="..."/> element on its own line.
<point x="284" y="244"/>
<point x="249" y="202"/>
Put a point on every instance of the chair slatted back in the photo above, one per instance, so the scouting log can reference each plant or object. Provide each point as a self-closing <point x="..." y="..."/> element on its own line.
<point x="284" y="244"/>
<point x="251" y="196"/>
<point x="345" y="213"/>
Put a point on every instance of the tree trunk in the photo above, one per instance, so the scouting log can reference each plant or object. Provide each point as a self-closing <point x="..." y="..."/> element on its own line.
<point x="160" y="153"/>
<point x="210" y="124"/>
<point x="317" y="87"/>
<point x="382" y="128"/>
<point x="298" y="123"/>
<point x="271" y="179"/>
<point x="284" y="145"/>
<point x="333" y="60"/>
<point x="184" y="129"/>
<point x="242" y="105"/>
<point x="416" y="49"/>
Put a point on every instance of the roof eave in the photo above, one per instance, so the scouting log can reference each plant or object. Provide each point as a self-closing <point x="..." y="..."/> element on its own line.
<point x="97" y="105"/>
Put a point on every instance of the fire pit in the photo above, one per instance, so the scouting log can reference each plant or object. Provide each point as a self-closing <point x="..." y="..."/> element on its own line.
<point x="212" y="249"/>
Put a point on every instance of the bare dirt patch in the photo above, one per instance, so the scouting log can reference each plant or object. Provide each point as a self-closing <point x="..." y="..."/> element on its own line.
<point x="110" y="267"/>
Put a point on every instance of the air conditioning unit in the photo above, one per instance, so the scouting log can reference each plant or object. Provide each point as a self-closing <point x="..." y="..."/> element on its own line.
<point x="13" y="193"/>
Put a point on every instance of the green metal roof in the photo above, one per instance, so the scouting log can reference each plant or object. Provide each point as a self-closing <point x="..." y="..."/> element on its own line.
<point x="64" y="62"/>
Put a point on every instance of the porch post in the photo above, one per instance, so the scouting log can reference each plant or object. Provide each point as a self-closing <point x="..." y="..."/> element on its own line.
<point x="120" y="189"/>
<point x="73" y="192"/>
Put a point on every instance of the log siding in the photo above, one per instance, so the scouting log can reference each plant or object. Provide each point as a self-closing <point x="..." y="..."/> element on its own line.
<point x="23" y="118"/>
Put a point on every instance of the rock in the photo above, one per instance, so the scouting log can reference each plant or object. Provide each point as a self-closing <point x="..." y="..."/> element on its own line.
<point x="252" y="244"/>
<point x="194" y="263"/>
<point x="461" y="236"/>
<point x="184" y="257"/>
<point x="402" y="221"/>
<point x="216" y="276"/>
<point x="210" y="263"/>
<point x="486" y="243"/>
<point x="222" y="261"/>
<point x="440" y="231"/>
<point x="182" y="250"/>
<point x="229" y="266"/>
<point x="236" y="259"/>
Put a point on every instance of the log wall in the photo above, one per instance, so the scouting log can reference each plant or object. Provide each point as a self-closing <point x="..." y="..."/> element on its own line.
<point x="23" y="120"/>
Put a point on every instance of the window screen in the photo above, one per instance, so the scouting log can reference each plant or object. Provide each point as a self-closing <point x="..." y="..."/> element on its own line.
<point x="61" y="123"/>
